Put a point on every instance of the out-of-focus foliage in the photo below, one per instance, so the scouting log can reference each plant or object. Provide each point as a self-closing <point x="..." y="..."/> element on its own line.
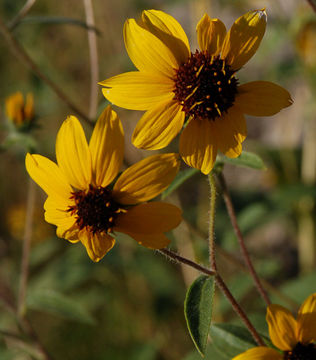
<point x="132" y="301"/>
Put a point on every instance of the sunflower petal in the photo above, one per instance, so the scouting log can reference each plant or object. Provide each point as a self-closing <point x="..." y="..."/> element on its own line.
<point x="282" y="327"/>
<point x="262" y="98"/>
<point x="244" y="37"/>
<point x="307" y="320"/>
<point x="198" y="145"/>
<point x="137" y="90"/>
<point x="106" y="147"/>
<point x="259" y="353"/>
<point x="72" y="153"/>
<point x="97" y="245"/>
<point x="231" y="131"/>
<point x="146" y="179"/>
<point x="159" y="126"/>
<point x="169" y="31"/>
<point x="48" y="176"/>
<point x="151" y="241"/>
<point x="210" y="34"/>
<point x="148" y="52"/>
<point x="150" y="218"/>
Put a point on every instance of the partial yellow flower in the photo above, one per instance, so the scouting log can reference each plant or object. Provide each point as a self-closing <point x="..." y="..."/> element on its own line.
<point x="20" y="112"/>
<point x="296" y="338"/>
<point x="172" y="83"/>
<point x="84" y="205"/>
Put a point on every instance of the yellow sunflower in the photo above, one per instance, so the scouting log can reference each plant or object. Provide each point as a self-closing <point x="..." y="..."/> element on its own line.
<point x="174" y="83"/>
<point x="295" y="338"/>
<point x="81" y="201"/>
<point x="20" y="112"/>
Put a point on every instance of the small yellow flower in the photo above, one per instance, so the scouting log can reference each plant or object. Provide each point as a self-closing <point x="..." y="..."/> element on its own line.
<point x="82" y="203"/>
<point x="20" y="112"/>
<point x="295" y="338"/>
<point x="172" y="83"/>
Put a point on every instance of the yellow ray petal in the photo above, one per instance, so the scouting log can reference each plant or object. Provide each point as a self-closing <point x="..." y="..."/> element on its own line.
<point x="151" y="241"/>
<point x="282" y="327"/>
<point x="48" y="176"/>
<point x="259" y="353"/>
<point x="146" y="179"/>
<point x="150" y="218"/>
<point x="107" y="147"/>
<point x="29" y="106"/>
<point x="231" y="131"/>
<point x="210" y="34"/>
<point x="262" y="98"/>
<point x="198" y="145"/>
<point x="56" y="213"/>
<point x="306" y="320"/>
<point x="169" y="31"/>
<point x="97" y="245"/>
<point x="137" y="90"/>
<point x="72" y="153"/>
<point x="159" y="126"/>
<point x="244" y="37"/>
<point x="148" y="52"/>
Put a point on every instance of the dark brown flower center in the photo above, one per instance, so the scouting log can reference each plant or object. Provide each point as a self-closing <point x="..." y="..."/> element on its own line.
<point x="205" y="86"/>
<point x="301" y="352"/>
<point x="95" y="209"/>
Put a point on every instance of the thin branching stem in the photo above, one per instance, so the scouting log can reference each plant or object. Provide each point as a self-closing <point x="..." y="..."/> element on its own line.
<point x="21" y="14"/>
<point x="312" y="4"/>
<point x="21" y="54"/>
<point x="94" y="60"/>
<point x="211" y="221"/>
<point x="233" y="219"/>
<point x="180" y="259"/>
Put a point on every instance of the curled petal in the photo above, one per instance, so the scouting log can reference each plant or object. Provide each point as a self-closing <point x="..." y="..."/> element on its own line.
<point x="210" y="34"/>
<point x="262" y="98"/>
<point x="282" y="327"/>
<point x="72" y="153"/>
<point x="146" y="179"/>
<point x="107" y="147"/>
<point x="137" y="90"/>
<point x="244" y="38"/>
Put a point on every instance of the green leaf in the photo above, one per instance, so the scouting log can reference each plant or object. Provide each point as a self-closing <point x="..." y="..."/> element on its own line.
<point x="231" y="340"/>
<point x="198" y="307"/>
<point x="53" y="302"/>
<point x="181" y="177"/>
<point x="246" y="159"/>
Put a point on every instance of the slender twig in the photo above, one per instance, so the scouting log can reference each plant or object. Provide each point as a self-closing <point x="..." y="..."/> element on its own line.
<point x="312" y="4"/>
<point x="233" y="219"/>
<point x="26" y="247"/>
<point x="20" y="53"/>
<point x="94" y="61"/>
<point x="22" y="13"/>
<point x="236" y="262"/>
<point x="222" y="286"/>
<point x="180" y="259"/>
<point x="211" y="229"/>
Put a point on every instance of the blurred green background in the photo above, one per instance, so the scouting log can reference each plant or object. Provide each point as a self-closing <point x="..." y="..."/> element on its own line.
<point x="130" y="305"/>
